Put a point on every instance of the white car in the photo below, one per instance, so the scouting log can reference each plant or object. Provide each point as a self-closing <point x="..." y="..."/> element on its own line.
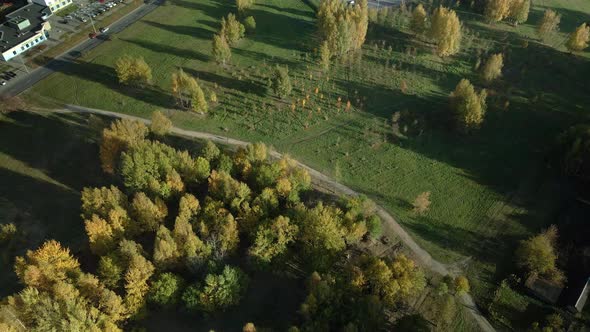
<point x="103" y="30"/>
<point x="3" y="83"/>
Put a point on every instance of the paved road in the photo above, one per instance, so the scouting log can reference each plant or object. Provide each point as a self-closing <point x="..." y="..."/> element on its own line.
<point x="384" y="3"/>
<point x="24" y="81"/>
<point x="321" y="180"/>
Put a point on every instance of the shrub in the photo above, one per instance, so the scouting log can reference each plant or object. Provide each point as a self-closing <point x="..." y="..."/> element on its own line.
<point x="160" y="124"/>
<point x="250" y="24"/>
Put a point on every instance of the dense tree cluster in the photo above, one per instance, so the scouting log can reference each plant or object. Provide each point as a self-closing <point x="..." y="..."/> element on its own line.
<point x="538" y="255"/>
<point x="515" y="10"/>
<point x="343" y="26"/>
<point x="166" y="239"/>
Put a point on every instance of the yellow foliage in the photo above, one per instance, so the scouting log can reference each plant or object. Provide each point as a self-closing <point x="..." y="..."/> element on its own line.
<point x="119" y="136"/>
<point x="446" y="31"/>
<point x="578" y="40"/>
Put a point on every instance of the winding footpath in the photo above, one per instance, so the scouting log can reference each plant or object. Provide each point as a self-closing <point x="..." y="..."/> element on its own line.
<point x="320" y="180"/>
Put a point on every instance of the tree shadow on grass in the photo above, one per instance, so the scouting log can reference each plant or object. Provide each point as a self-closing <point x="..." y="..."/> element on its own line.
<point x="292" y="11"/>
<point x="106" y="76"/>
<point x="282" y="31"/>
<point x="212" y="11"/>
<point x="174" y="51"/>
<point x="245" y="86"/>
<point x="185" y="30"/>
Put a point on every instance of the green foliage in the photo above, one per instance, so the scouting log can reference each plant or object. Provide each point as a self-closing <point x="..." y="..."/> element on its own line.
<point x="166" y="290"/>
<point x="280" y="83"/>
<point x="374" y="227"/>
<point x="149" y="214"/>
<point x="232" y="29"/>
<point x="244" y="4"/>
<point x="272" y="239"/>
<point x="160" y="124"/>
<point x="325" y="56"/>
<point x="538" y="255"/>
<point x="250" y="24"/>
<point x="218" y="292"/>
<point x="469" y="107"/>
<point x="121" y="135"/>
<point x="221" y="50"/>
<point x="166" y="252"/>
<point x="110" y="270"/>
<point x="7" y="232"/>
<point x="419" y="20"/>
<point x="412" y="323"/>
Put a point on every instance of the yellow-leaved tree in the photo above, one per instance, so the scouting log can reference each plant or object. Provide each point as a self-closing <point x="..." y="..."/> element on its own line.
<point x="468" y="106"/>
<point x="121" y="135"/>
<point x="445" y="29"/>
<point x="188" y="93"/>
<point x="578" y="40"/>
<point x="133" y="71"/>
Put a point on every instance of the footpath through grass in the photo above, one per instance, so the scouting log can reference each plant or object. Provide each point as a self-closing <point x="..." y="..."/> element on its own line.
<point x="486" y="187"/>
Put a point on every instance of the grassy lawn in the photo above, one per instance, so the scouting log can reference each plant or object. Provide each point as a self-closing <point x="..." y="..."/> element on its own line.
<point x="68" y="10"/>
<point x="487" y="188"/>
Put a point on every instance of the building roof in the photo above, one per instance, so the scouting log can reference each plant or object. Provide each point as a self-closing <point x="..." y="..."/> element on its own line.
<point x="22" y="24"/>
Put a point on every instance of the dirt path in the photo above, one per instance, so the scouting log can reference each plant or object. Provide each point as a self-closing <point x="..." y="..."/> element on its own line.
<point x="319" y="179"/>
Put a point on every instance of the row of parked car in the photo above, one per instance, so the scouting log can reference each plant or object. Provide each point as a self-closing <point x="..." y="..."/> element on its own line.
<point x="7" y="76"/>
<point x="92" y="10"/>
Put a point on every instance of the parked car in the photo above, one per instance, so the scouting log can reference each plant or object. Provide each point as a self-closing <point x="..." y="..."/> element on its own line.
<point x="103" y="30"/>
<point x="3" y="83"/>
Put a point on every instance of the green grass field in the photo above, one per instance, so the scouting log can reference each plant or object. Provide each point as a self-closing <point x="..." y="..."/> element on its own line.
<point x="487" y="188"/>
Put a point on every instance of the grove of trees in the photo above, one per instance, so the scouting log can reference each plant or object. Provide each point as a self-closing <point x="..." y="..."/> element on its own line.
<point x="133" y="71"/>
<point x="168" y="238"/>
<point x="343" y="26"/>
<point x="445" y="30"/>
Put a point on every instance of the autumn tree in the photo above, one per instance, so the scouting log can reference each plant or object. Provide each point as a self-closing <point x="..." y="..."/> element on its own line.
<point x="578" y="40"/>
<point x="244" y="5"/>
<point x="138" y="273"/>
<point x="188" y="93"/>
<point x="249" y="327"/>
<point x="538" y="255"/>
<point x="548" y="25"/>
<point x="468" y="106"/>
<point x="221" y="50"/>
<point x="160" y="124"/>
<point x="272" y="240"/>
<point x="492" y="69"/>
<point x="133" y="71"/>
<point x="46" y="266"/>
<point x="166" y="290"/>
<point x="121" y="135"/>
<point x="461" y="285"/>
<point x="422" y="203"/>
<point x="343" y="27"/>
<point x="497" y="10"/>
<point x="11" y="103"/>
<point x="280" y="82"/>
<point x="166" y="252"/>
<point x="325" y="56"/>
<point x="519" y="11"/>
<point x="419" y="18"/>
<point x="232" y="29"/>
<point x="111" y="269"/>
<point x="149" y="214"/>
<point x="445" y="29"/>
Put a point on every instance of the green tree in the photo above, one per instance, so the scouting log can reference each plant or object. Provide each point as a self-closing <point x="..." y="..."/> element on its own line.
<point x="281" y="82"/>
<point x="210" y="151"/>
<point x="578" y="40"/>
<point x="160" y="124"/>
<point x="221" y="50"/>
<point x="419" y="18"/>
<point x="166" y="290"/>
<point x="549" y="24"/>
<point x="232" y="29"/>
<point x="445" y="29"/>
<point x="110" y="270"/>
<point x="219" y="291"/>
<point x="133" y="71"/>
<point x="493" y="67"/>
<point x="468" y="106"/>
<point x="272" y="240"/>
<point x="343" y="27"/>
<point x="188" y="93"/>
<point x="166" y="254"/>
<point x="250" y="24"/>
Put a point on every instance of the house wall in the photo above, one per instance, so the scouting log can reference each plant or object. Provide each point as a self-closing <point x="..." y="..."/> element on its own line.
<point x="54" y="5"/>
<point x="26" y="45"/>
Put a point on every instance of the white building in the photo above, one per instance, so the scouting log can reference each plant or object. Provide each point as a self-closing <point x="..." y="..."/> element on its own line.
<point x="24" y="29"/>
<point x="54" y="5"/>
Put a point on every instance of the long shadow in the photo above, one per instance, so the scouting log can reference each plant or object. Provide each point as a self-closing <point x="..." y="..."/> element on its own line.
<point x="106" y="76"/>
<point x="61" y="147"/>
<point x="291" y="11"/>
<point x="183" y="30"/>
<point x="281" y="30"/>
<point x="228" y="82"/>
<point x="167" y="49"/>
